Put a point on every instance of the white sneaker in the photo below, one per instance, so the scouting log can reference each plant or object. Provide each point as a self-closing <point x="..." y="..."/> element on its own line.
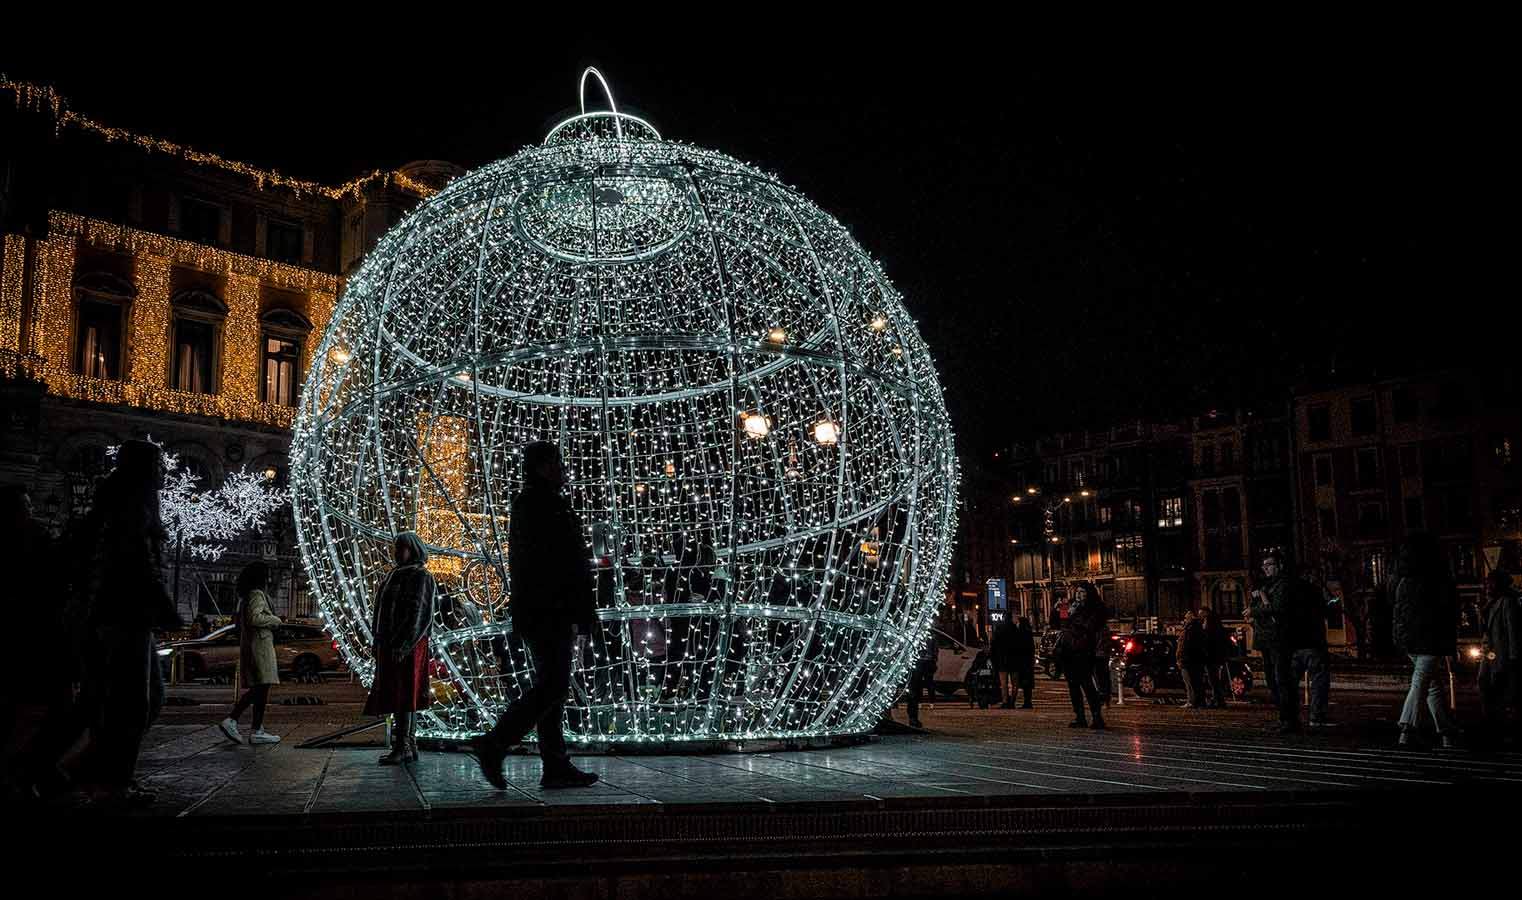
<point x="263" y="737"/>
<point x="230" y="728"/>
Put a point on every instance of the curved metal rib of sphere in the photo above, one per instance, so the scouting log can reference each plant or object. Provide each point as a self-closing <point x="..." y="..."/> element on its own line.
<point x="634" y="300"/>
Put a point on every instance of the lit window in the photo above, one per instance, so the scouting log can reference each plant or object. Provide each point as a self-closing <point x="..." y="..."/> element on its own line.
<point x="98" y="343"/>
<point x="193" y="346"/>
<point x="1171" y="512"/>
<point x="282" y="367"/>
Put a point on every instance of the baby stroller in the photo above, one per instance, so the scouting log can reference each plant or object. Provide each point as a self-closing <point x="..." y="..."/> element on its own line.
<point x="983" y="686"/>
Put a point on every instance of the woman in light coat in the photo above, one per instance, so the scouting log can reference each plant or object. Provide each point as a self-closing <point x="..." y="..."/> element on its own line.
<point x="256" y="646"/>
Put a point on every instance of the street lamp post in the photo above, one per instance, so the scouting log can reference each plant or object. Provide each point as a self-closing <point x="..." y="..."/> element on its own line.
<point x="1049" y="537"/>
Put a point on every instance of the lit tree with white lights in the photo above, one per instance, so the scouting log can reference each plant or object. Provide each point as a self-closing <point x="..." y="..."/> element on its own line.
<point x="200" y="522"/>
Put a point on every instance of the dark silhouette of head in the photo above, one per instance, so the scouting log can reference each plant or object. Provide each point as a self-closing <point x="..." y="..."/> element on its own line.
<point x="1421" y="557"/>
<point x="129" y="496"/>
<point x="254" y="577"/>
<point x="542" y="465"/>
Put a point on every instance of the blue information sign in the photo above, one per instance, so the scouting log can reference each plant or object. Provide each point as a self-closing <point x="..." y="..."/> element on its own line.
<point x="998" y="600"/>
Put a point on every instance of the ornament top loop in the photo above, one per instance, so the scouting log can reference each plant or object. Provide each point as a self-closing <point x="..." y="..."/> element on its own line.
<point x="606" y="91"/>
<point x="594" y="124"/>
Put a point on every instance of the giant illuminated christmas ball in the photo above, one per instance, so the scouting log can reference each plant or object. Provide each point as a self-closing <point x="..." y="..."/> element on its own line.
<point x="752" y="426"/>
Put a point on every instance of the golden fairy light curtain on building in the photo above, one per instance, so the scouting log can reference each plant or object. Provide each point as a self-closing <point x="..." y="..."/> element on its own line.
<point x="144" y="377"/>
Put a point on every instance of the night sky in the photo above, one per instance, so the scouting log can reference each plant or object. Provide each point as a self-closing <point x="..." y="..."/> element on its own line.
<point x="1084" y="237"/>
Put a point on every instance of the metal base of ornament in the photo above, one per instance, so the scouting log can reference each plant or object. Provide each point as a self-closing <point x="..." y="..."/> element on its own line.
<point x="667" y="748"/>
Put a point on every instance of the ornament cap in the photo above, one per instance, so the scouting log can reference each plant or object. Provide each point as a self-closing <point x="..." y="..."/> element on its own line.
<point x="608" y="124"/>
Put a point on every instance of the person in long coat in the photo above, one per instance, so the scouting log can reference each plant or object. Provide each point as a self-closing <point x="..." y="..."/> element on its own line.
<point x="1217" y="652"/>
<point x="404" y="609"/>
<point x="1001" y="654"/>
<point x="124" y="599"/>
<point x="1024" y="657"/>
<point x="257" y="667"/>
<point x="1086" y="626"/>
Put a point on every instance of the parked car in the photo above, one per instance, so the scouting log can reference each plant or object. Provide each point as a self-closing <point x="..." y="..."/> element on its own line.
<point x="956" y="664"/>
<point x="1151" y="664"/>
<point x="302" y="651"/>
<point x="1046" y="652"/>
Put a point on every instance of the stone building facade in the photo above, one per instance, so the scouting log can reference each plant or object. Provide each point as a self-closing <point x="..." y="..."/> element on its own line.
<point x="150" y="290"/>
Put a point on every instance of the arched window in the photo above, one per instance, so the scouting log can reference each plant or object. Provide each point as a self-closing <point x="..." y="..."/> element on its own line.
<point x="100" y="320"/>
<point x="283" y="334"/>
<point x="198" y="317"/>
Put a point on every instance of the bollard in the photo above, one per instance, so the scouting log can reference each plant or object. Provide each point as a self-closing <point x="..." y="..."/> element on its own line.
<point x="1117" y="671"/>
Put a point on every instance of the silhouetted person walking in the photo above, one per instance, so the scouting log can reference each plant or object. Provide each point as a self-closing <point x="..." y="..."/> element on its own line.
<point x="922" y="678"/>
<point x="257" y="666"/>
<point x="1191" y="658"/>
<point x="404" y="610"/>
<point x="552" y="598"/>
<point x="1425" y="628"/>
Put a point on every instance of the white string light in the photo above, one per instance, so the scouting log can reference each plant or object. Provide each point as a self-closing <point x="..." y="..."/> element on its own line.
<point x="753" y="430"/>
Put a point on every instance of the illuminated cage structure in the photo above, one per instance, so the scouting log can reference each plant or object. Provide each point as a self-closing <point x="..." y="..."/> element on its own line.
<point x="753" y="432"/>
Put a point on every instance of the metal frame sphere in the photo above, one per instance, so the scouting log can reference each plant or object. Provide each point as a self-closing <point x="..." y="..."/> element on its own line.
<point x="752" y="426"/>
